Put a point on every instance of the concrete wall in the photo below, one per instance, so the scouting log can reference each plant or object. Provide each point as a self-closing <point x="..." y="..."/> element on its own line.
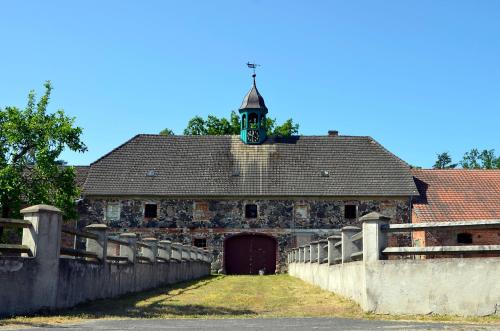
<point x="43" y="280"/>
<point x="81" y="281"/>
<point x="440" y="286"/>
<point x="346" y="280"/>
<point x="467" y="287"/>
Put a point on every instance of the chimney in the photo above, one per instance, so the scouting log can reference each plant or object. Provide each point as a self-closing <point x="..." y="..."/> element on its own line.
<point x="333" y="133"/>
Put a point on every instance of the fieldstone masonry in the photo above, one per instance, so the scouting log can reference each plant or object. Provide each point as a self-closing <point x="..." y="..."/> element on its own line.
<point x="291" y="222"/>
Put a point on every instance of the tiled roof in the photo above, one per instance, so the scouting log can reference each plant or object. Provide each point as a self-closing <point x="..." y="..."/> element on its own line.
<point x="224" y="166"/>
<point x="81" y="175"/>
<point x="454" y="195"/>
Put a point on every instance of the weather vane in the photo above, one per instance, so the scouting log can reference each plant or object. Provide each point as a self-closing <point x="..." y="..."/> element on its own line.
<point x="253" y="66"/>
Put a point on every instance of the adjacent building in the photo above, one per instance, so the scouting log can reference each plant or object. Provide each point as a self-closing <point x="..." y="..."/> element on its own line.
<point x="454" y="195"/>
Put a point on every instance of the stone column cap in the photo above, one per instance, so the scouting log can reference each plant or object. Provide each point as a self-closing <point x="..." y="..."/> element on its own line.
<point x="97" y="226"/>
<point x="335" y="236"/>
<point x="150" y="239"/>
<point x="40" y="208"/>
<point x="374" y="216"/>
<point x="128" y="235"/>
<point x="165" y="242"/>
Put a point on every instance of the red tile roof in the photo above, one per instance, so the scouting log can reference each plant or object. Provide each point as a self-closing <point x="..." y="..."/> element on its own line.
<point x="454" y="195"/>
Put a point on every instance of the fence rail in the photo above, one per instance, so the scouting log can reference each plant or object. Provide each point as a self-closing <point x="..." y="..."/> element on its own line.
<point x="131" y="250"/>
<point x="371" y="242"/>
<point x="10" y="222"/>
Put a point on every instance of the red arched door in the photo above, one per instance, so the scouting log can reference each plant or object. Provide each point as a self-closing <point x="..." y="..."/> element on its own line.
<point x="246" y="254"/>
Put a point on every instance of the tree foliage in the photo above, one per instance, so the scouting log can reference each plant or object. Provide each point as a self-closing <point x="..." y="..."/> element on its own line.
<point x="444" y="162"/>
<point x="167" y="132"/>
<point x="473" y="159"/>
<point x="31" y="141"/>
<point x="485" y="159"/>
<point x="213" y="125"/>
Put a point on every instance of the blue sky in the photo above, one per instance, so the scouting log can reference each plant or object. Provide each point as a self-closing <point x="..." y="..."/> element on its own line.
<point x="421" y="77"/>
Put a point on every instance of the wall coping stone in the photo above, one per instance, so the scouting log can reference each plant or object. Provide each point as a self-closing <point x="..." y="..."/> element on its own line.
<point x="40" y="208"/>
<point x="97" y="226"/>
<point x="373" y="216"/>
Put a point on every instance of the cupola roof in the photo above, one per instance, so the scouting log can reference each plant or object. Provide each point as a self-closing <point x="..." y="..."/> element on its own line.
<point x="253" y="99"/>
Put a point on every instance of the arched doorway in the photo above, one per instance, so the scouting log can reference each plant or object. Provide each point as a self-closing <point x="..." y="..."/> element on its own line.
<point x="247" y="253"/>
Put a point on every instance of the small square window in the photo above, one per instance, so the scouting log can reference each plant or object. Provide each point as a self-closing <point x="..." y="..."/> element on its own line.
<point x="150" y="210"/>
<point x="200" y="242"/>
<point x="464" y="238"/>
<point x="251" y="211"/>
<point x="350" y="212"/>
<point x="113" y="211"/>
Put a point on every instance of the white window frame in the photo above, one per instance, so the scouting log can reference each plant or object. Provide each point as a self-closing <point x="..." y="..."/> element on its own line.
<point x="117" y="212"/>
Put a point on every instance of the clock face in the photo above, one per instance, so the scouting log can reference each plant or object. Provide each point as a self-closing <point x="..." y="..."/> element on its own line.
<point x="253" y="136"/>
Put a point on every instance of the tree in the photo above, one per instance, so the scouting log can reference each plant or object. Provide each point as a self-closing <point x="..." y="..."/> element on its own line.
<point x="167" y="132"/>
<point x="488" y="159"/>
<point x="444" y="162"/>
<point x="485" y="159"/>
<point x="232" y="126"/>
<point x="31" y="141"/>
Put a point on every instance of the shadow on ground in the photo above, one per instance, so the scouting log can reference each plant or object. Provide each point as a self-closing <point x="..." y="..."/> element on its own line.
<point x="157" y="303"/>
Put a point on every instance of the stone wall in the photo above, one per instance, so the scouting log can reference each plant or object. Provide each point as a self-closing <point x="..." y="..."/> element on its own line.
<point x="291" y="221"/>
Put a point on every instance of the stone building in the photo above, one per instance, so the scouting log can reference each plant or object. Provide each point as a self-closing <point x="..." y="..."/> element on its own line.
<point x="248" y="198"/>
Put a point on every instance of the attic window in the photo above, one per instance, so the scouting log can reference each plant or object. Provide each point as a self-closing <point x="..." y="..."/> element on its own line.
<point x="151" y="173"/>
<point x="200" y="242"/>
<point x="325" y="173"/>
<point x="464" y="238"/>
<point x="350" y="212"/>
<point x="150" y="210"/>
<point x="251" y="211"/>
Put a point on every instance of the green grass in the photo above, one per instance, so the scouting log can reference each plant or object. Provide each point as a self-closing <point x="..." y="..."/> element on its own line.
<point x="225" y="297"/>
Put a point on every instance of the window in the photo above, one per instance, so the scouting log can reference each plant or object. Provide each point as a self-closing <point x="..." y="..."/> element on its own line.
<point x="201" y="211"/>
<point x="301" y="211"/>
<point x="150" y="210"/>
<point x="350" y="211"/>
<point x="200" y="242"/>
<point x="253" y="120"/>
<point x="251" y="211"/>
<point x="244" y="121"/>
<point x="113" y="211"/>
<point x="464" y="238"/>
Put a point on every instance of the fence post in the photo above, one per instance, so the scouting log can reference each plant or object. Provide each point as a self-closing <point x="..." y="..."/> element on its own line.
<point x="347" y="233"/>
<point x="322" y="250"/>
<point x="130" y="250"/>
<point x="307" y="253"/>
<point x="313" y="251"/>
<point x="43" y="238"/>
<point x="176" y="252"/>
<point x="374" y="239"/>
<point x="99" y="245"/>
<point x="333" y="252"/>
<point x="152" y="251"/>
<point x="166" y="250"/>
<point x="301" y="254"/>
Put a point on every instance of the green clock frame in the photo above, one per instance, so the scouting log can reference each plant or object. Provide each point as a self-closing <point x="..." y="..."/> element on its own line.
<point x="253" y="120"/>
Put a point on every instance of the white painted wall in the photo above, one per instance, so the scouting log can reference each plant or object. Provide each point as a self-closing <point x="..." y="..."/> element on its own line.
<point x="467" y="287"/>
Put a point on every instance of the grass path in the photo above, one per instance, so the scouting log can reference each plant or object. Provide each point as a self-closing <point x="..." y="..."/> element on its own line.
<point x="224" y="297"/>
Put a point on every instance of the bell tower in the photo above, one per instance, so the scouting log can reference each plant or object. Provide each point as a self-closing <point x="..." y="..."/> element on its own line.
<point x="253" y="112"/>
